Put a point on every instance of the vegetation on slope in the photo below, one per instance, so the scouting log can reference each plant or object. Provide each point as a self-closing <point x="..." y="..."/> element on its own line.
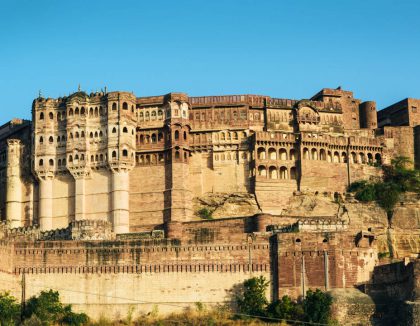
<point x="397" y="179"/>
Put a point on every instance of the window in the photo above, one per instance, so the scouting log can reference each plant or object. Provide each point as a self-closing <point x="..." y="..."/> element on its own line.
<point x="51" y="162"/>
<point x="176" y="134"/>
<point x="125" y="106"/>
<point x="114" y="130"/>
<point x="185" y="135"/>
<point x="125" y="130"/>
<point x="114" y="106"/>
<point x="114" y="154"/>
<point x="413" y="109"/>
<point x="41" y="116"/>
<point x="41" y="140"/>
<point x="41" y="162"/>
<point x="51" y="139"/>
<point x="125" y="153"/>
<point x="51" y="115"/>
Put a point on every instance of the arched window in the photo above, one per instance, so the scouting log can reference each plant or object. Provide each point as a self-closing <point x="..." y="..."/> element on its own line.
<point x="91" y="112"/>
<point x="125" y="106"/>
<point x="273" y="172"/>
<point x="314" y="154"/>
<point x="125" y="153"/>
<point x="76" y="112"/>
<point x="64" y="162"/>
<point x="59" y="162"/>
<point x="222" y="136"/>
<point x="41" y="162"/>
<point x="91" y="135"/>
<point x="284" y="173"/>
<point x="114" y="130"/>
<point x="114" y="106"/>
<point x="141" y="139"/>
<point x="262" y="171"/>
<point x="361" y="158"/>
<point x="114" y="154"/>
<point x="125" y="130"/>
<point x="378" y="158"/>
<point x="322" y="155"/>
<point x="92" y="158"/>
<point x="283" y="154"/>
<point x="51" y="115"/>
<point x="76" y="157"/>
<point x="70" y="159"/>
<point x="336" y="158"/>
<point x="147" y="115"/>
<point x="82" y="157"/>
<point x="82" y="111"/>
<point x="82" y="134"/>
<point x="51" y="139"/>
<point x="153" y="138"/>
<point x="160" y="136"/>
<point x="153" y="115"/>
<point x="141" y="116"/>
<point x="100" y="133"/>
<point x="160" y="115"/>
<point x="306" y="154"/>
<point x="343" y="157"/>
<point x="96" y="112"/>
<point x="272" y="154"/>
<point x="292" y="154"/>
<point x="51" y="162"/>
<point x="185" y="135"/>
<point x="261" y="153"/>
<point x="41" y="116"/>
<point x="177" y="155"/>
<point x="101" y="157"/>
<point x="41" y="140"/>
<point x="70" y="112"/>
<point x="176" y="134"/>
<point x="370" y="158"/>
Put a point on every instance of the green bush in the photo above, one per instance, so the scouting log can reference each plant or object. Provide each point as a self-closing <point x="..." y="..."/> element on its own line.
<point x="366" y="193"/>
<point x="205" y="213"/>
<point x="253" y="301"/>
<point x="9" y="310"/>
<point x="285" y="309"/>
<point x="48" y="308"/>
<point x="317" y="307"/>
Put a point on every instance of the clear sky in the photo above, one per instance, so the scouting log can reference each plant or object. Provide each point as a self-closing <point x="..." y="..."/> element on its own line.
<point x="288" y="49"/>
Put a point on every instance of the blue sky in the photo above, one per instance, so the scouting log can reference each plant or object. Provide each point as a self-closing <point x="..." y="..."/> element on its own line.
<point x="288" y="49"/>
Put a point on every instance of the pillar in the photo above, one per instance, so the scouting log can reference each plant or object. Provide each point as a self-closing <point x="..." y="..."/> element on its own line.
<point x="45" y="204"/>
<point x="14" y="184"/>
<point x="79" y="199"/>
<point x="120" y="201"/>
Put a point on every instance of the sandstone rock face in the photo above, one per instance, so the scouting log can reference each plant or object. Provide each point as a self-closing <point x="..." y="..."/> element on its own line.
<point x="227" y="205"/>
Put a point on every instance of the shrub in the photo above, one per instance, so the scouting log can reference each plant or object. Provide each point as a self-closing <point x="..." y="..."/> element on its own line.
<point x="48" y="308"/>
<point x="205" y="213"/>
<point x="366" y="193"/>
<point x="317" y="306"/>
<point x="253" y="301"/>
<point x="285" y="309"/>
<point x="9" y="309"/>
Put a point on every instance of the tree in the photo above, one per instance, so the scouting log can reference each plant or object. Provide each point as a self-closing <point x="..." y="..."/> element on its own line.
<point x="317" y="306"/>
<point x="253" y="300"/>
<point x="48" y="308"/>
<point x="9" y="310"/>
<point x="285" y="309"/>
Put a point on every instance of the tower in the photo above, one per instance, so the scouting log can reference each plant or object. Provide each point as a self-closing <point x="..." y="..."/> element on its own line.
<point x="121" y="153"/>
<point x="178" y="196"/>
<point x="368" y="115"/>
<point x="14" y="183"/>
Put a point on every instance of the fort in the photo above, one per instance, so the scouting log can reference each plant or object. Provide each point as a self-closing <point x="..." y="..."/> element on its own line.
<point x="120" y="201"/>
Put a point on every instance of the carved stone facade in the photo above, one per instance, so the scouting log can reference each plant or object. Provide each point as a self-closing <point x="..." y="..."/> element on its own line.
<point x="141" y="162"/>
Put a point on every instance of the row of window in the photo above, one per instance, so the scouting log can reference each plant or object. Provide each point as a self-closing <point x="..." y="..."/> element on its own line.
<point x="273" y="172"/>
<point x="322" y="154"/>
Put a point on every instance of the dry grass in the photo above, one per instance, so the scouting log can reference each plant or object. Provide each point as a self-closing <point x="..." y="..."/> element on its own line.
<point x="200" y="316"/>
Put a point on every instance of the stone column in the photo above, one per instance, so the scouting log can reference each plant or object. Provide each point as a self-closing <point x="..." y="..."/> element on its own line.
<point x="14" y="184"/>
<point x="45" y="203"/>
<point x="120" y="201"/>
<point x="79" y="198"/>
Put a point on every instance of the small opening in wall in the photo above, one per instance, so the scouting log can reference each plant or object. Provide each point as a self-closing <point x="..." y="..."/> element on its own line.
<point x="297" y="240"/>
<point x="325" y="240"/>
